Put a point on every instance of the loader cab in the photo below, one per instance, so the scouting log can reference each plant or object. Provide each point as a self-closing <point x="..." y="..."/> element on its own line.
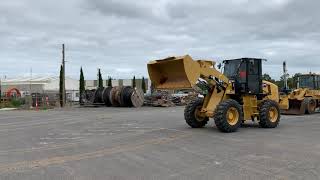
<point x="246" y="74"/>
<point x="311" y="81"/>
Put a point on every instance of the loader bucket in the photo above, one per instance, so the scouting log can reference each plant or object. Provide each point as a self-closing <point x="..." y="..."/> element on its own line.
<point x="296" y="108"/>
<point x="174" y="73"/>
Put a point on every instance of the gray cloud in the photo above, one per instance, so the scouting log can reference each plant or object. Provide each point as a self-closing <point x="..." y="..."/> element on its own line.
<point x="121" y="36"/>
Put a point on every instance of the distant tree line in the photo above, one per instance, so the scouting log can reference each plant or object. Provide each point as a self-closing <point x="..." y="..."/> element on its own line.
<point x="292" y="80"/>
<point x="100" y="82"/>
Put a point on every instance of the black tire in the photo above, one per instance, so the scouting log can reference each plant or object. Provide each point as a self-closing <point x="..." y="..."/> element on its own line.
<point x="310" y="105"/>
<point x="266" y="121"/>
<point x="190" y="114"/>
<point x="220" y="117"/>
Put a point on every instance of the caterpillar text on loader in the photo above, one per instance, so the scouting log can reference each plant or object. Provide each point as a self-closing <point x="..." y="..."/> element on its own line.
<point x="305" y="99"/>
<point x="237" y="95"/>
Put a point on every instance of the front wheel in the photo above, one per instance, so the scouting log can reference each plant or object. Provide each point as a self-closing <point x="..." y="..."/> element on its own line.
<point x="269" y="114"/>
<point x="191" y="114"/>
<point x="310" y="105"/>
<point x="228" y="116"/>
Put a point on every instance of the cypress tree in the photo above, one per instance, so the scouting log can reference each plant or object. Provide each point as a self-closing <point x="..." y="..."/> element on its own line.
<point x="110" y="82"/>
<point x="134" y="82"/>
<point x="60" y="86"/>
<point x="0" y="94"/>
<point x="100" y="80"/>
<point x="143" y="85"/>
<point x="81" y="85"/>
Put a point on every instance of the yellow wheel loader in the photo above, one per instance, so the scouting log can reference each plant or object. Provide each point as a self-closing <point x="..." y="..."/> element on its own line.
<point x="230" y="98"/>
<point x="303" y="100"/>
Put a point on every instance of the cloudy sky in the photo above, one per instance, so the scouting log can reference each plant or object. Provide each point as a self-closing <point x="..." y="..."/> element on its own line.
<point x="121" y="36"/>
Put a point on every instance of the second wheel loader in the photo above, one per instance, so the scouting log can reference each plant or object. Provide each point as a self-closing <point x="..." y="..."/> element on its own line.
<point x="230" y="98"/>
<point x="303" y="100"/>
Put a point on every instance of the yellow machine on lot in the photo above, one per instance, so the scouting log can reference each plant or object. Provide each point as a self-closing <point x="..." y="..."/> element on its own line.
<point x="305" y="99"/>
<point x="231" y="98"/>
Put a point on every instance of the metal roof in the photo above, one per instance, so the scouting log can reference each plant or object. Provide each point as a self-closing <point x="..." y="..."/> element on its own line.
<point x="30" y="80"/>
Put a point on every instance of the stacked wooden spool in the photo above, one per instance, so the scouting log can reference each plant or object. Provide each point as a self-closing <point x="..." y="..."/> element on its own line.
<point x="119" y="96"/>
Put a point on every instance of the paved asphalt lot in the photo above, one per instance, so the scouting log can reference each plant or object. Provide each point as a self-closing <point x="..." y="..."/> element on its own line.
<point x="151" y="143"/>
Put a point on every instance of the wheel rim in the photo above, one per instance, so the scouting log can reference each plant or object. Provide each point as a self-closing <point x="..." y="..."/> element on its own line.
<point x="273" y="114"/>
<point x="196" y="114"/>
<point x="232" y="116"/>
<point x="312" y="106"/>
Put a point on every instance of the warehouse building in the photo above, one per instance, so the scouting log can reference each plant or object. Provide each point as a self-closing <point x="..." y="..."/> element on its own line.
<point x="42" y="85"/>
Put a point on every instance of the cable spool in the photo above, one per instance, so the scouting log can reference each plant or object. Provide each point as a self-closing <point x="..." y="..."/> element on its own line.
<point x="118" y="96"/>
<point x="98" y="96"/>
<point x="88" y="96"/>
<point x="106" y="94"/>
<point x="113" y="96"/>
<point x="126" y="96"/>
<point x="137" y="97"/>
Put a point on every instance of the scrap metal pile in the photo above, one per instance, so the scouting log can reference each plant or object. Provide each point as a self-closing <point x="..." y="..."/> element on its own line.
<point x="165" y="99"/>
<point x="118" y="96"/>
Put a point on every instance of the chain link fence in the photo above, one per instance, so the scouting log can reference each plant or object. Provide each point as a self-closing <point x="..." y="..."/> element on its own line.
<point x="42" y="99"/>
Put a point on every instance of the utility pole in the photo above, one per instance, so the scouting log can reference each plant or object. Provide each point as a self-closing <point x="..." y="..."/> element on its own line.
<point x="30" y="82"/>
<point x="285" y="75"/>
<point x="29" y="97"/>
<point x="63" y="76"/>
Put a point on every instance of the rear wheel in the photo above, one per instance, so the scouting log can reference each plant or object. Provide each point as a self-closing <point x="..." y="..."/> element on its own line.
<point x="310" y="105"/>
<point x="191" y="114"/>
<point x="228" y="116"/>
<point x="269" y="114"/>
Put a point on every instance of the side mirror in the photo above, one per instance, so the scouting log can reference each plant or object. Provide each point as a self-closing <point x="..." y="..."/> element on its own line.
<point x="219" y="66"/>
